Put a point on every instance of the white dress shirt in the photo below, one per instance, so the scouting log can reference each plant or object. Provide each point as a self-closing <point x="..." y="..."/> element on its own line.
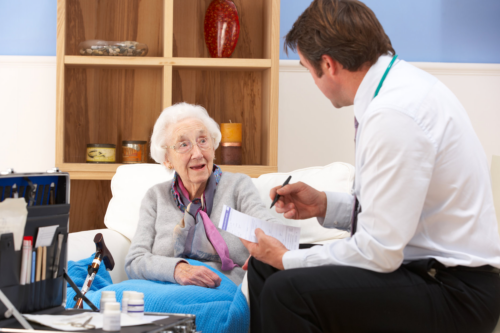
<point x="422" y="181"/>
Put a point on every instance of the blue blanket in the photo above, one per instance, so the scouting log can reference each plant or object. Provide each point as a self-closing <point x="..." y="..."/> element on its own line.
<point x="223" y="309"/>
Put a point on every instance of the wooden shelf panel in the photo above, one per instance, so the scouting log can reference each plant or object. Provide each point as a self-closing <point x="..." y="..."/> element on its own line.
<point x="108" y="105"/>
<point x="111" y="20"/>
<point x="228" y="96"/>
<point x="90" y="171"/>
<point x="188" y="32"/>
<point x="193" y="63"/>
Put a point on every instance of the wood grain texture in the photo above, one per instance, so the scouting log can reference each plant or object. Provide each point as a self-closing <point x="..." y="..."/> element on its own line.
<point x="89" y="201"/>
<point x="108" y="106"/>
<point x="111" y="20"/>
<point x="189" y="17"/>
<point x="167" y="86"/>
<point x="270" y="83"/>
<point x="60" y="47"/>
<point x="168" y="28"/>
<point x="227" y="96"/>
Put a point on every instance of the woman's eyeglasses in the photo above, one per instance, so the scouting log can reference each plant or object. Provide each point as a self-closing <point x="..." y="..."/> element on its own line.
<point x="184" y="147"/>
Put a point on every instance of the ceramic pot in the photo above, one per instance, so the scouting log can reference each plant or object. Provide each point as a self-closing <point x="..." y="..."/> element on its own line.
<point x="222" y="28"/>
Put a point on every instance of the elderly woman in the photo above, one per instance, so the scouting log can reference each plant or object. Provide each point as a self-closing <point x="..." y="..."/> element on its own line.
<point x="179" y="218"/>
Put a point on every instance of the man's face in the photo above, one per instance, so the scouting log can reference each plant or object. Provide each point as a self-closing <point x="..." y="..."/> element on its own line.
<point x="330" y="82"/>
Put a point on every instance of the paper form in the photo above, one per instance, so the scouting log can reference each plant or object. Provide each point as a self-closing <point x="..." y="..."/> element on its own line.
<point x="13" y="215"/>
<point x="45" y="236"/>
<point x="243" y="226"/>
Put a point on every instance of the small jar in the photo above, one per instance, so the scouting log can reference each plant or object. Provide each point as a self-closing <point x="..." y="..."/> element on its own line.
<point x="134" y="151"/>
<point x="106" y="297"/>
<point x="101" y="153"/>
<point x="111" y="320"/>
<point x="135" y="307"/>
<point x="125" y="299"/>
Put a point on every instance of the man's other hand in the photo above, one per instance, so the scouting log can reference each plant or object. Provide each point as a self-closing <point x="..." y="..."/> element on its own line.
<point x="299" y="201"/>
<point x="268" y="249"/>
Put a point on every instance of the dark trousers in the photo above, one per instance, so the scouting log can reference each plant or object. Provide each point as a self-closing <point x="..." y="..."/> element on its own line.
<point x="423" y="296"/>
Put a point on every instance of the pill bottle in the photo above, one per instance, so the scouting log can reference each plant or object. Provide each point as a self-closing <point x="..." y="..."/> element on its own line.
<point x="107" y="296"/>
<point x="135" y="307"/>
<point x="125" y="299"/>
<point x="111" y="319"/>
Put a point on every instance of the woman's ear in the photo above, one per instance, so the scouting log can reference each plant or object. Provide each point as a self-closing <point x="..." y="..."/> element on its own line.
<point x="168" y="165"/>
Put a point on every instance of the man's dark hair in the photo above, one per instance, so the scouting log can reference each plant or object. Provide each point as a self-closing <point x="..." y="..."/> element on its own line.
<point x="346" y="30"/>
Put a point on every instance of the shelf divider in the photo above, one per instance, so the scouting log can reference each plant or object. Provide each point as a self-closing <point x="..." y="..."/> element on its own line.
<point x="168" y="28"/>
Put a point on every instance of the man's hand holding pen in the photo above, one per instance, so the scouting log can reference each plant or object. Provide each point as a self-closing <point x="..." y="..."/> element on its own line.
<point x="299" y="201"/>
<point x="296" y="201"/>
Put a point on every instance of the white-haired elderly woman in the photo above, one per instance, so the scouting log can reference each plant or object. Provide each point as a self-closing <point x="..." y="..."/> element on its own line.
<point x="179" y="218"/>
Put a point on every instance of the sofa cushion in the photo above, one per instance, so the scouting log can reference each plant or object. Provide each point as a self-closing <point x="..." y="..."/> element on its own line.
<point x="129" y="186"/>
<point x="131" y="182"/>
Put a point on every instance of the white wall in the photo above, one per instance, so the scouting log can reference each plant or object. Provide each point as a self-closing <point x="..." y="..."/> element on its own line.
<point x="27" y="113"/>
<point x="311" y="131"/>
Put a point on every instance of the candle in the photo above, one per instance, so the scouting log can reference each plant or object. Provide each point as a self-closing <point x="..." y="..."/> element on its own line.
<point x="231" y="132"/>
<point x="231" y="152"/>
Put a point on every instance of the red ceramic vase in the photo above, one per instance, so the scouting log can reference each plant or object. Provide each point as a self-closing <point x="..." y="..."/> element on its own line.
<point x="222" y="28"/>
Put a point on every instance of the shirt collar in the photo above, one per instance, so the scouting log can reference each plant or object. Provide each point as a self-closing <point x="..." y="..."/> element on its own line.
<point x="367" y="88"/>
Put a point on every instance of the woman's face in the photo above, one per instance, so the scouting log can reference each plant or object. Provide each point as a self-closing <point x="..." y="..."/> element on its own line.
<point x="195" y="166"/>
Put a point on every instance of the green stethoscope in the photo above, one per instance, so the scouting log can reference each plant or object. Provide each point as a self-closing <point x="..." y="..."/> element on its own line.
<point x="385" y="75"/>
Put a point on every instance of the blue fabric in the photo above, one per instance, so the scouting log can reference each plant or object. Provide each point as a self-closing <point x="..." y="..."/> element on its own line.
<point x="223" y="309"/>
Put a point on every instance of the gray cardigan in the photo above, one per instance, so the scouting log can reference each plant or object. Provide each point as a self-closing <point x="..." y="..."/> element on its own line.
<point x="151" y="254"/>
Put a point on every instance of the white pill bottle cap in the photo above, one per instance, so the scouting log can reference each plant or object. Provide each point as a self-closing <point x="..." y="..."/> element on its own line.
<point x="112" y="306"/>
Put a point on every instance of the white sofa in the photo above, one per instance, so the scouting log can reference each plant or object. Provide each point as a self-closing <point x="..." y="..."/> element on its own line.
<point x="130" y="183"/>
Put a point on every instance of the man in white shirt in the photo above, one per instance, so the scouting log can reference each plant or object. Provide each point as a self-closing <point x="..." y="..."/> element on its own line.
<point x="424" y="251"/>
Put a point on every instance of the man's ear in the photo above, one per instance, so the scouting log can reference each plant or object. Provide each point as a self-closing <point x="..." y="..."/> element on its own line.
<point x="329" y="65"/>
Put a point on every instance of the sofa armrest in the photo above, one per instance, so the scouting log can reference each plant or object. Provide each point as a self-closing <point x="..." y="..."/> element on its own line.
<point x="81" y="245"/>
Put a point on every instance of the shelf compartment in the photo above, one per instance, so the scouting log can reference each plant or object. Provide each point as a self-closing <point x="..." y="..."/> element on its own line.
<point x="104" y="105"/>
<point x="135" y="62"/>
<point x="227" y="96"/>
<point x="115" y="20"/>
<point x="189" y="40"/>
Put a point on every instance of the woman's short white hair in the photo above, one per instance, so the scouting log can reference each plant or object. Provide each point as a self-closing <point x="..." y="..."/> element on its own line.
<point x="172" y="115"/>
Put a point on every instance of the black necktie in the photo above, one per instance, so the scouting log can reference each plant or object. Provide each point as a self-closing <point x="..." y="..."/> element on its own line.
<point x="355" y="207"/>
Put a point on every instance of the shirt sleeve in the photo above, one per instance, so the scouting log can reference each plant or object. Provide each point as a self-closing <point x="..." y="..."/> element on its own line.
<point x="395" y="161"/>
<point x="140" y="262"/>
<point x="338" y="211"/>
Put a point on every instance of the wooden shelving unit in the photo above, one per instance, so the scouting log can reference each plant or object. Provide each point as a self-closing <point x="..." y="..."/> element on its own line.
<point x="110" y="99"/>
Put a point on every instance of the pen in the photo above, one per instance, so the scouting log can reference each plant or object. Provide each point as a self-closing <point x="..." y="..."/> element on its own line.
<point x="14" y="191"/>
<point x="32" y="195"/>
<point x="60" y="239"/>
<point x="33" y="267"/>
<point x="52" y="199"/>
<point x="24" y="262"/>
<point x="44" y="263"/>
<point x="276" y="198"/>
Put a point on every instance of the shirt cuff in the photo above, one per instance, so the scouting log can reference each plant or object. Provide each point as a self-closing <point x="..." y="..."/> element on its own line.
<point x="293" y="259"/>
<point x="338" y="211"/>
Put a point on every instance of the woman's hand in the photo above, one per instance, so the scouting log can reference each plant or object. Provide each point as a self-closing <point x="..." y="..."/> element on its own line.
<point x="186" y="275"/>
<point x="299" y="201"/>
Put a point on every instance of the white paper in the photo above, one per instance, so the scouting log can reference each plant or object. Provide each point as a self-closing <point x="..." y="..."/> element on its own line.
<point x="45" y="236"/>
<point x="243" y="226"/>
<point x="64" y="322"/>
<point x="13" y="215"/>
